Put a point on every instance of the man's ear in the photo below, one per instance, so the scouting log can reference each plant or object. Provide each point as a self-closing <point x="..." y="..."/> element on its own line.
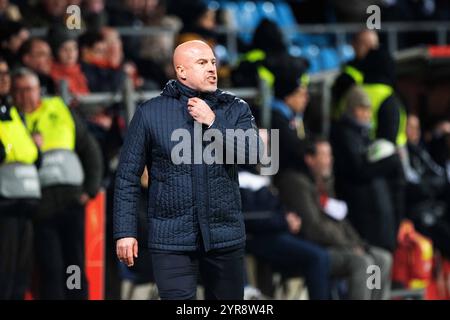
<point x="181" y="72"/>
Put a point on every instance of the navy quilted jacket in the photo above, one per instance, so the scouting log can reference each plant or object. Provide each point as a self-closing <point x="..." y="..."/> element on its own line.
<point x="186" y="201"/>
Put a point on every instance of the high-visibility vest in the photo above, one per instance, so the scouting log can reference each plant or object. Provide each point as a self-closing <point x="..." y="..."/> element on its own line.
<point x="53" y="120"/>
<point x="377" y="94"/>
<point x="18" y="175"/>
<point x="60" y="164"/>
<point x="258" y="55"/>
<point x="19" y="146"/>
<point x="358" y="78"/>
<point x="255" y="56"/>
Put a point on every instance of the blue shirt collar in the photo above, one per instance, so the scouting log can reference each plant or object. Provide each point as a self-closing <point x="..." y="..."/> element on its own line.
<point x="283" y="108"/>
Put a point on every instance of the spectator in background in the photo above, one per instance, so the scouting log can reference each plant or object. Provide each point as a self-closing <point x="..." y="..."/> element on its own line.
<point x="115" y="56"/>
<point x="426" y="191"/>
<point x="12" y="36"/>
<point x="351" y="73"/>
<point x="46" y="13"/>
<point x="9" y="11"/>
<point x="324" y="223"/>
<point x="388" y="116"/>
<point x="35" y="54"/>
<point x="199" y="22"/>
<point x="360" y="177"/>
<point x="68" y="182"/>
<point x="94" y="14"/>
<point x="96" y="65"/>
<point x="19" y="195"/>
<point x="128" y="13"/>
<point x="158" y="48"/>
<point x="66" y="67"/>
<point x="267" y="54"/>
<point x="289" y="103"/>
<point x="272" y="237"/>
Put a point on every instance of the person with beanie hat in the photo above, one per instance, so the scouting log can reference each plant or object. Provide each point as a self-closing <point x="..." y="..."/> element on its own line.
<point x="288" y="105"/>
<point x="66" y="67"/>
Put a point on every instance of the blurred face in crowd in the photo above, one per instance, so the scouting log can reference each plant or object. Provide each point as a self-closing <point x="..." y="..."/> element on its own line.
<point x="195" y="65"/>
<point x="95" y="5"/>
<point x="5" y="79"/>
<point x="17" y="40"/>
<point x="208" y="19"/>
<point x="362" y="114"/>
<point x="97" y="52"/>
<point x="56" y="8"/>
<point x="39" y="58"/>
<point x="413" y="129"/>
<point x="3" y="5"/>
<point x="135" y="6"/>
<point x="68" y="53"/>
<point x="26" y="93"/>
<point x="114" y="45"/>
<point x="320" y="163"/>
<point x="298" y="99"/>
<point x="364" y="42"/>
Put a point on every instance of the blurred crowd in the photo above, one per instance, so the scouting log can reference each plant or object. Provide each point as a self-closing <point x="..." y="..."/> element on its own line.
<point x="334" y="208"/>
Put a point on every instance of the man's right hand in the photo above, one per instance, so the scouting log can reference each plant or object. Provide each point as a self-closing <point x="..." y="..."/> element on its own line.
<point x="127" y="250"/>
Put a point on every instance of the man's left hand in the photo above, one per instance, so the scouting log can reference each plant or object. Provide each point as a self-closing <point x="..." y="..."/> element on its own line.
<point x="200" y="111"/>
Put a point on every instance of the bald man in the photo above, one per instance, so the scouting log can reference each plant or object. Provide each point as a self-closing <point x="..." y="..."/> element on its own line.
<point x="194" y="210"/>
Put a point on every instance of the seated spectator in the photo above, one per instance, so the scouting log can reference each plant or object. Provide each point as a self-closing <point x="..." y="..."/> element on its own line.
<point x="66" y="66"/>
<point x="9" y="12"/>
<point x="272" y="238"/>
<point x="324" y="222"/>
<point x="12" y="36"/>
<point x="36" y="54"/>
<point x="426" y="191"/>
<point x="96" y="66"/>
<point x="361" y="180"/>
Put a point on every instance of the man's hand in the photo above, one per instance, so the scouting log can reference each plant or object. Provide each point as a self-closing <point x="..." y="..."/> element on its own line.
<point x="127" y="250"/>
<point x="294" y="222"/>
<point x="200" y="111"/>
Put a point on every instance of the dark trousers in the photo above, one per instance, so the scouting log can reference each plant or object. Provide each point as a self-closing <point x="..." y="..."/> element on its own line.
<point x="16" y="240"/>
<point x="59" y="243"/>
<point x="292" y="255"/>
<point x="221" y="272"/>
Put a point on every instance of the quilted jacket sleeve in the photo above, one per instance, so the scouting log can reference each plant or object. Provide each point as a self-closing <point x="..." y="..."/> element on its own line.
<point x="245" y="121"/>
<point x="127" y="185"/>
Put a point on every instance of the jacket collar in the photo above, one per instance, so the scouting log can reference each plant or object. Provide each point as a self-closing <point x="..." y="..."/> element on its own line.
<point x="177" y="90"/>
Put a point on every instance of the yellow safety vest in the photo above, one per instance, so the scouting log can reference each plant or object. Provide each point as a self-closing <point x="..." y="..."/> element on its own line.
<point x="18" y="144"/>
<point x="257" y="55"/>
<point x="378" y="93"/>
<point x="53" y="120"/>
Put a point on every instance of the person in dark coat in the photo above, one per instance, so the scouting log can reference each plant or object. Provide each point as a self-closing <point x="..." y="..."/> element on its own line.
<point x="361" y="183"/>
<point x="426" y="191"/>
<point x="195" y="218"/>
<point x="272" y="236"/>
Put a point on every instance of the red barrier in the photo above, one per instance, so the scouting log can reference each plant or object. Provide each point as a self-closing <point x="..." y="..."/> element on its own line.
<point x="95" y="246"/>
